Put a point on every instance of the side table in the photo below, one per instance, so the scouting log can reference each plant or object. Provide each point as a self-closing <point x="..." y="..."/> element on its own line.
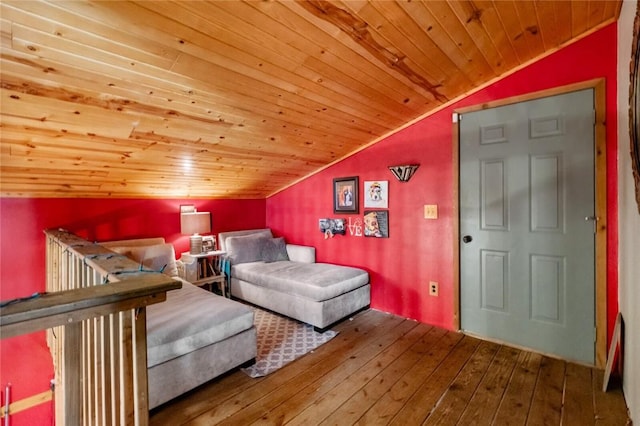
<point x="206" y="269"/>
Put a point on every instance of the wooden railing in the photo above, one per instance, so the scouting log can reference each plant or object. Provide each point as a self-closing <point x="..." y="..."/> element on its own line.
<point x="94" y="309"/>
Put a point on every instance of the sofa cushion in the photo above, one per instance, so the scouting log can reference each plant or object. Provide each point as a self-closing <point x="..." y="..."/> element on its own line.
<point x="190" y="319"/>
<point x="245" y="248"/>
<point x="223" y="236"/>
<point x="274" y="250"/>
<point x="157" y="257"/>
<point x="316" y="281"/>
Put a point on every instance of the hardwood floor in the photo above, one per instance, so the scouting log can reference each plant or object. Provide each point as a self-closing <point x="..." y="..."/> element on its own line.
<point x="383" y="369"/>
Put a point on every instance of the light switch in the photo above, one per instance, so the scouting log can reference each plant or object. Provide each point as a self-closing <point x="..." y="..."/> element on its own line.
<point x="431" y="211"/>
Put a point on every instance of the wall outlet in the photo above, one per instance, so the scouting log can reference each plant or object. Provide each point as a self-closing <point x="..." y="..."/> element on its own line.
<point x="433" y="288"/>
<point x="431" y="211"/>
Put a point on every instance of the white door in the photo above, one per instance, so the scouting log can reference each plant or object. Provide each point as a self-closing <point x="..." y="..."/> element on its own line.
<point x="527" y="270"/>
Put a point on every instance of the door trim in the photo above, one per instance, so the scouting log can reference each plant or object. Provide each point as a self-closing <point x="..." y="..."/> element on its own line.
<point x="600" y="160"/>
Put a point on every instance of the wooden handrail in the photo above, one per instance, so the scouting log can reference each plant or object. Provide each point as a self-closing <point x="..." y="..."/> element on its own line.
<point x="66" y="307"/>
<point x="95" y="315"/>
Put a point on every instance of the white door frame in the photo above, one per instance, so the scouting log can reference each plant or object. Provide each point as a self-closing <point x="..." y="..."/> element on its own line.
<point x="600" y="160"/>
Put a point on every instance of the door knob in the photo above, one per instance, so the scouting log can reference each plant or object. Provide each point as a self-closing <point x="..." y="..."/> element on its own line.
<point x="467" y="239"/>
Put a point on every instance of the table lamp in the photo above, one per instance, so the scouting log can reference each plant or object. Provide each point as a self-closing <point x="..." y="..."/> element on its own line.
<point x="194" y="224"/>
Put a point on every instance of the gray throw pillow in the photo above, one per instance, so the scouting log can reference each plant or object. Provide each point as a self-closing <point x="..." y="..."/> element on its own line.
<point x="245" y="248"/>
<point x="274" y="250"/>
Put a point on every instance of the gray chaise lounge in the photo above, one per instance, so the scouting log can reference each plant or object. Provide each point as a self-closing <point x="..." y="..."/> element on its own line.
<point x="284" y="278"/>
<point x="195" y="335"/>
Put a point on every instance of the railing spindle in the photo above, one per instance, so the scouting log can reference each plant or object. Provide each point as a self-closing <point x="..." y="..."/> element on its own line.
<point x="96" y="330"/>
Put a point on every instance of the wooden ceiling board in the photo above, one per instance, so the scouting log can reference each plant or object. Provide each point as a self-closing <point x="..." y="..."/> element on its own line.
<point x="473" y="18"/>
<point x="494" y="27"/>
<point x="296" y="79"/>
<point x="580" y="16"/>
<point x="509" y="19"/>
<point x="457" y="66"/>
<point x="14" y="73"/>
<point x="57" y="115"/>
<point x="187" y="99"/>
<point x="471" y="61"/>
<point x="121" y="164"/>
<point x="245" y="147"/>
<point x="360" y="36"/>
<point x="528" y="17"/>
<point x="92" y="33"/>
<point x="263" y="92"/>
<point x="343" y="45"/>
<point x="34" y="41"/>
<point x="612" y="8"/>
<point x="415" y="24"/>
<point x="345" y="94"/>
<point x="553" y="33"/>
<point x="385" y="23"/>
<point x="596" y="12"/>
<point x="240" y="99"/>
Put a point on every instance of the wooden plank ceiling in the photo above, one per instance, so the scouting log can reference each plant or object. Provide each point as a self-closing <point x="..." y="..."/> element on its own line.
<point x="239" y="99"/>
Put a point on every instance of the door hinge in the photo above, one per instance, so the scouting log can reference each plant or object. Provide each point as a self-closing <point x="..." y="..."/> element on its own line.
<point x="455" y="117"/>
<point x="595" y="220"/>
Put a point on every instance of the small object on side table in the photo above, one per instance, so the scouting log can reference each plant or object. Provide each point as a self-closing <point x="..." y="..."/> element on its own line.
<point x="206" y="269"/>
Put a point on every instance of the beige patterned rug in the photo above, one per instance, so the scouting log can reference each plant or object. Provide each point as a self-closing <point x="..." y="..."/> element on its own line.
<point x="281" y="340"/>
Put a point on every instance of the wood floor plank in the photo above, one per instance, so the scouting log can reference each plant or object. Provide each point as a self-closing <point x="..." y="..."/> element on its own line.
<point x="421" y="403"/>
<point x="220" y="391"/>
<point x="514" y="408"/>
<point x="457" y="397"/>
<point x="546" y="406"/>
<point x="609" y="404"/>
<point x="578" y="406"/>
<point x="307" y="393"/>
<point x="281" y="403"/>
<point x="392" y="401"/>
<point x="377" y="386"/>
<point x="330" y="402"/>
<point x="485" y="401"/>
<point x="263" y="387"/>
<point x="200" y="400"/>
<point x="384" y="369"/>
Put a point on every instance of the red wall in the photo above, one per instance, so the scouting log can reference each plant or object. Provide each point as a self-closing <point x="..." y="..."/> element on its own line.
<point x="418" y="250"/>
<point x="22" y="262"/>
<point x="23" y="220"/>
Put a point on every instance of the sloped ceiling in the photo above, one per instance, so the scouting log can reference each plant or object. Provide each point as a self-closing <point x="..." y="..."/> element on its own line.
<point x="239" y="99"/>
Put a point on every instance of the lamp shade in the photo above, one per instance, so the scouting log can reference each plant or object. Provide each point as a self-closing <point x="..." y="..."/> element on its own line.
<point x="195" y="223"/>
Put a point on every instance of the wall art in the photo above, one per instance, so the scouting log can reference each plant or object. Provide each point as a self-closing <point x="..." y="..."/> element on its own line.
<point x="376" y="223"/>
<point x="331" y="227"/>
<point x="355" y="227"/>
<point x="345" y="195"/>
<point x="376" y="194"/>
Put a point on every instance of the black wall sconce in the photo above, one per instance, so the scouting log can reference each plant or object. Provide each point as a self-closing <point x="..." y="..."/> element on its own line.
<point x="404" y="173"/>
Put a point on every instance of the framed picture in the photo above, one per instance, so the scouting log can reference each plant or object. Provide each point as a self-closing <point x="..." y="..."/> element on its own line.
<point x="376" y="194"/>
<point x="345" y="195"/>
<point x="331" y="227"/>
<point x="208" y="243"/>
<point x="376" y="223"/>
